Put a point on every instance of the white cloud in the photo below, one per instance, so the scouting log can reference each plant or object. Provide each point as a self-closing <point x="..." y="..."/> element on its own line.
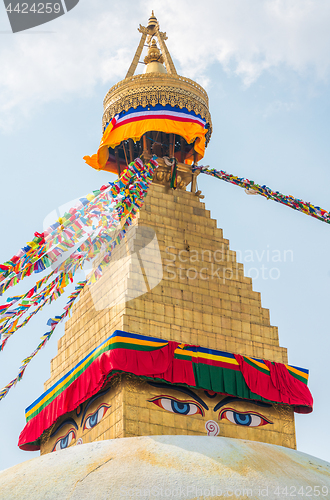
<point x="95" y="43"/>
<point x="81" y="52"/>
<point x="249" y="37"/>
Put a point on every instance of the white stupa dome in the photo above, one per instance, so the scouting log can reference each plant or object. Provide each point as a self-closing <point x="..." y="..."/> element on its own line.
<point x="188" y="467"/>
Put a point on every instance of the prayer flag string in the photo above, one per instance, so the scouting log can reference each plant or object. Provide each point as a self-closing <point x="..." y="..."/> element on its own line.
<point x="252" y="188"/>
<point x="129" y="193"/>
<point x="47" y="247"/>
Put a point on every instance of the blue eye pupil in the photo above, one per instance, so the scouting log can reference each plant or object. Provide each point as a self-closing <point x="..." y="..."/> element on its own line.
<point x="64" y="442"/>
<point x="182" y="408"/>
<point x="242" y="418"/>
<point x="93" y="419"/>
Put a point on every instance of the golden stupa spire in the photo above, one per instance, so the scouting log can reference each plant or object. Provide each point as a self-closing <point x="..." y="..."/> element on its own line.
<point x="154" y="54"/>
<point x="158" y="85"/>
<point x="154" y="60"/>
<point x="147" y="35"/>
<point x="152" y="20"/>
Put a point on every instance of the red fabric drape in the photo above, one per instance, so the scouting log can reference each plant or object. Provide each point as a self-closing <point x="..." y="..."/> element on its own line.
<point x="279" y="386"/>
<point x="158" y="364"/>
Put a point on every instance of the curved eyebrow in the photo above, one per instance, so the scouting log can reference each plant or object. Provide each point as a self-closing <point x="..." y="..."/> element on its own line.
<point x="92" y="399"/>
<point x="184" y="390"/>
<point x="66" y="422"/>
<point x="230" y="399"/>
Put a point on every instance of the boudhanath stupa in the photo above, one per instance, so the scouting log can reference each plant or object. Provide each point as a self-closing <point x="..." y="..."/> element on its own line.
<point x="169" y="376"/>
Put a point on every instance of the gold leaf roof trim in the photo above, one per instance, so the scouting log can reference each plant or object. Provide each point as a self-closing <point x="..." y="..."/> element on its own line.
<point x="157" y="88"/>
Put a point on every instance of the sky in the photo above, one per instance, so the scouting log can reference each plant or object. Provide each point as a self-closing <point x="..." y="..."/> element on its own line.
<point x="265" y="65"/>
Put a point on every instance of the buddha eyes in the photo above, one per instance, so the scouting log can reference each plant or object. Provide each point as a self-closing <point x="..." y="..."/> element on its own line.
<point x="174" y="405"/>
<point x="65" y="441"/>
<point x="93" y="419"/>
<point x="90" y="421"/>
<point x="248" y="419"/>
<point x="177" y="406"/>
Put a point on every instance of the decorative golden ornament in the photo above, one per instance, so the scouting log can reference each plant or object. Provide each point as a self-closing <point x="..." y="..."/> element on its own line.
<point x="154" y="53"/>
<point x="156" y="87"/>
<point x="152" y="21"/>
<point x="162" y="174"/>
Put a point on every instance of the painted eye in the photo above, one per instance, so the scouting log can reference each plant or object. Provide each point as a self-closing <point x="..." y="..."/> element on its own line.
<point x="96" y="417"/>
<point x="65" y="441"/>
<point x="176" y="406"/>
<point x="247" y="419"/>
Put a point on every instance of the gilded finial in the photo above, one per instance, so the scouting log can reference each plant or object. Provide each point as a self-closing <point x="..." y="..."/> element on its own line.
<point x="152" y="23"/>
<point x="153" y="53"/>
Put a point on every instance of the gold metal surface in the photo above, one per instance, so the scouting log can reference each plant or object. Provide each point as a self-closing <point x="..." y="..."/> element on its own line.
<point x="153" y="53"/>
<point x="162" y="174"/>
<point x="156" y="87"/>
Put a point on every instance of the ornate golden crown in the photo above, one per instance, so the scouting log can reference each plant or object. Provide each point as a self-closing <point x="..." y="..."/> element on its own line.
<point x="158" y="85"/>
